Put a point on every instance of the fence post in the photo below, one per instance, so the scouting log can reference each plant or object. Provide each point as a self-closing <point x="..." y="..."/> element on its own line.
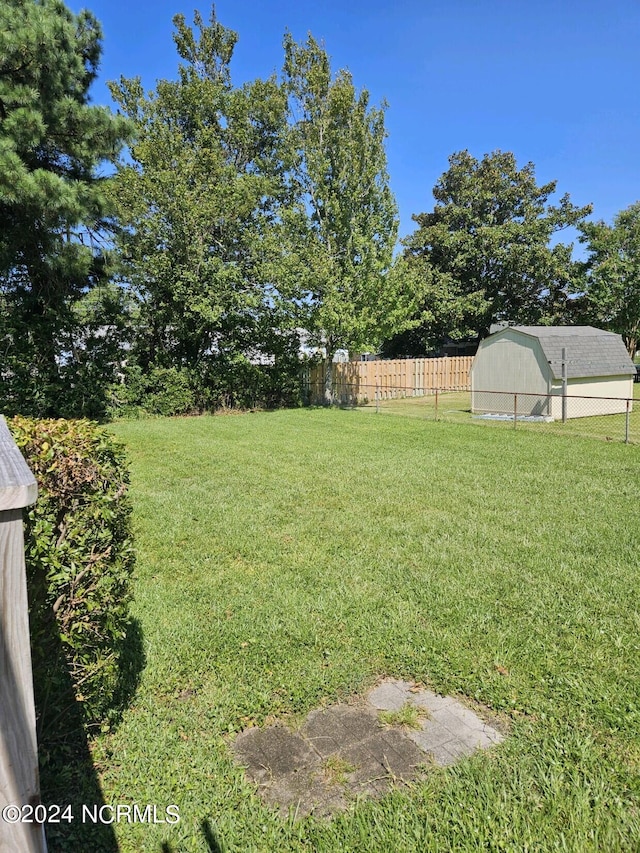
<point x="515" y="410"/>
<point x="626" y="424"/>
<point x="19" y="782"/>
<point x="564" y="385"/>
<point x="436" y="404"/>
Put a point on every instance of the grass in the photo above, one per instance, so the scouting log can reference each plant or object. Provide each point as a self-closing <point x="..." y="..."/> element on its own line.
<point x="455" y="407"/>
<point x="288" y="560"/>
<point x="409" y="716"/>
<point x="336" y="769"/>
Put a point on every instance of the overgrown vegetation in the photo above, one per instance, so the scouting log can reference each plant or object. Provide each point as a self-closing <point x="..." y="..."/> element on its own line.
<point x="79" y="558"/>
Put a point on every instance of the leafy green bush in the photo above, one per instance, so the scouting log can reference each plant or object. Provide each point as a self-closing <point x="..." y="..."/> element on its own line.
<point x="79" y="558"/>
<point x="238" y="384"/>
<point x="159" y="391"/>
<point x="168" y="392"/>
<point x="232" y="382"/>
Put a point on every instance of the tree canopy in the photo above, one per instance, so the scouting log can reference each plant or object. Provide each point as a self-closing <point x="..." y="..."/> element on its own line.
<point x="252" y="211"/>
<point x="343" y="224"/>
<point x="611" y="296"/>
<point x="52" y="201"/>
<point x="200" y="197"/>
<point x="486" y="247"/>
<point x="349" y="215"/>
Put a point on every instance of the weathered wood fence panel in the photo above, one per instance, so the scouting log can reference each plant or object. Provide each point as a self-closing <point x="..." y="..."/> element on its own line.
<point x="19" y="784"/>
<point x="360" y="381"/>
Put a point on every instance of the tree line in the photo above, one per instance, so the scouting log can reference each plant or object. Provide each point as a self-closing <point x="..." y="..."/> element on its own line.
<point x="167" y="256"/>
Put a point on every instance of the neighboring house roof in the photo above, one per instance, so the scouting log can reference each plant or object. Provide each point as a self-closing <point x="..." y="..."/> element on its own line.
<point x="589" y="351"/>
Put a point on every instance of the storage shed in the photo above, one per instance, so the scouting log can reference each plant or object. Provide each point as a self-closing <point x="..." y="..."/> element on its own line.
<point x="528" y="361"/>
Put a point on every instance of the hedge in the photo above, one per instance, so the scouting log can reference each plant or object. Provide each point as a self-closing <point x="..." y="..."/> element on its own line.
<point x="79" y="556"/>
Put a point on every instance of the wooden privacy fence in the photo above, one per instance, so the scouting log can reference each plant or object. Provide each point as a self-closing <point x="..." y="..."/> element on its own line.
<point x="19" y="785"/>
<point x="362" y="381"/>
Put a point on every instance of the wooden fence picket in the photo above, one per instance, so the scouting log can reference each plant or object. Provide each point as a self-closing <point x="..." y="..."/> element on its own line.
<point x="357" y="381"/>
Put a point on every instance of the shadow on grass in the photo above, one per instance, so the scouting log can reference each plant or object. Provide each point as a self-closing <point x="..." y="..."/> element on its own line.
<point x="213" y="843"/>
<point x="132" y="664"/>
<point x="68" y="776"/>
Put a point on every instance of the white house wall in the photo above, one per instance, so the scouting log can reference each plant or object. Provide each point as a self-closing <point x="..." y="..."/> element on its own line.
<point x="618" y="387"/>
<point x="510" y="363"/>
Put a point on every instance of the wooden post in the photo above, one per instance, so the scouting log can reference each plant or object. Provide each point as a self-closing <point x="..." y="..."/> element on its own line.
<point x="19" y="783"/>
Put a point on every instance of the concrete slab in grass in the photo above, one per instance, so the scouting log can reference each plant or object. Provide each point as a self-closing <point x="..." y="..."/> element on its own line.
<point x="345" y="751"/>
<point x="391" y="695"/>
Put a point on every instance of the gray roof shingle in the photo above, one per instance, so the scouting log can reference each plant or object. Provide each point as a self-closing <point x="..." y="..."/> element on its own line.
<point x="589" y="351"/>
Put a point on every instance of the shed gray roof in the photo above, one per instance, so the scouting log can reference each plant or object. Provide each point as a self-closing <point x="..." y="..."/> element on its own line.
<point x="589" y="351"/>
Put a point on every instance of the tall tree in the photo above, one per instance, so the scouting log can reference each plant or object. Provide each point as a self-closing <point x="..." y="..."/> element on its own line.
<point x="612" y="294"/>
<point x="488" y="241"/>
<point x="200" y="196"/>
<point x="52" y="201"/>
<point x="343" y="226"/>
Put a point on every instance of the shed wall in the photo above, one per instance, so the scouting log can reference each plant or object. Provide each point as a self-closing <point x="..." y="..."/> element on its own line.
<point x="510" y="363"/>
<point x="618" y="387"/>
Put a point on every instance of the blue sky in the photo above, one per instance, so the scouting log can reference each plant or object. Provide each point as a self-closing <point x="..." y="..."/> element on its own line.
<point x="556" y="83"/>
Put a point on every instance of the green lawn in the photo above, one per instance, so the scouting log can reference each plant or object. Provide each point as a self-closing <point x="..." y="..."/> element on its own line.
<point x="287" y="560"/>
<point x="455" y="406"/>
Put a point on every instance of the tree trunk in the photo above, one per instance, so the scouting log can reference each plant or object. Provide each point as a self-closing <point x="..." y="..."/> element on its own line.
<point x="328" y="379"/>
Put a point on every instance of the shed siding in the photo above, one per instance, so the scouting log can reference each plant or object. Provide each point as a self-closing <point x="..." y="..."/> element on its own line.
<point x="510" y="363"/>
<point x="620" y="387"/>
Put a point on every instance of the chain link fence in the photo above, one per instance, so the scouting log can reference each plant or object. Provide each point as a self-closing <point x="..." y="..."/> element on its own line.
<point x="605" y="418"/>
